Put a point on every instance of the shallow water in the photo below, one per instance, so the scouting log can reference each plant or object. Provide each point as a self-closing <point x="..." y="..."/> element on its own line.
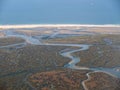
<point x="59" y="12"/>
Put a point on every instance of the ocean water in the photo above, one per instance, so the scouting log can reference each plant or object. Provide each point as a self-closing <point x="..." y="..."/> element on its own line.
<point x="59" y="12"/>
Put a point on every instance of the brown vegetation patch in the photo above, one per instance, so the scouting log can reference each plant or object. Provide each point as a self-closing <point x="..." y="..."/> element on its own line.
<point x="27" y="60"/>
<point x="11" y="40"/>
<point x="99" y="56"/>
<point x="97" y="39"/>
<point x="58" y="80"/>
<point x="102" y="81"/>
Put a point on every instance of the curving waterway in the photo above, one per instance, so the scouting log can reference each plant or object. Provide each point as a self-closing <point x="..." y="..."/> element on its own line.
<point x="115" y="72"/>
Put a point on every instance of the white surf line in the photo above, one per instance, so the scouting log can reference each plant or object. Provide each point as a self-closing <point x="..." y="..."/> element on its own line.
<point x="56" y="25"/>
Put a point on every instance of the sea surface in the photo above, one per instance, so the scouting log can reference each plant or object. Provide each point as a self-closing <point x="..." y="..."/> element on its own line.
<point x="59" y="12"/>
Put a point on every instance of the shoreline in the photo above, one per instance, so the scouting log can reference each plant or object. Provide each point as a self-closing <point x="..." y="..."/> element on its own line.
<point x="56" y="25"/>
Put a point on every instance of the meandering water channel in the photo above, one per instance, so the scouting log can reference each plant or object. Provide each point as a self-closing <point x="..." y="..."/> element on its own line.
<point x="74" y="59"/>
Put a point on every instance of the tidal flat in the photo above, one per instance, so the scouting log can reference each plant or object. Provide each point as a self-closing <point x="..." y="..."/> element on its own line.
<point x="60" y="57"/>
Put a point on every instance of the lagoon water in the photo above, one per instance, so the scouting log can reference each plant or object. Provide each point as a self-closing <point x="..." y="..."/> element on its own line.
<point x="59" y="12"/>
